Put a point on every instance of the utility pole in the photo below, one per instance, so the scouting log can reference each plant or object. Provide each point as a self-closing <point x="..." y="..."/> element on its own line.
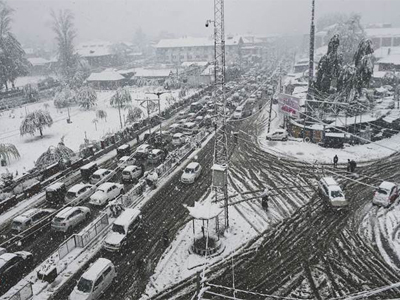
<point x="147" y="100"/>
<point x="220" y="166"/>
<point x="158" y="94"/>
<point x="310" y="93"/>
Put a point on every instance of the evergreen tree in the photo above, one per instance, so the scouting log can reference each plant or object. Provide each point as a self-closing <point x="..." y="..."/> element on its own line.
<point x="87" y="97"/>
<point x="35" y="121"/>
<point x="65" y="98"/>
<point x="13" y="62"/>
<point x="63" y="27"/>
<point x="121" y="99"/>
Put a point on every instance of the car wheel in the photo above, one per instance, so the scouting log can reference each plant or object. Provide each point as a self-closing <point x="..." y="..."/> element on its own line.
<point x="121" y="192"/>
<point x="87" y="217"/>
<point x="284" y="139"/>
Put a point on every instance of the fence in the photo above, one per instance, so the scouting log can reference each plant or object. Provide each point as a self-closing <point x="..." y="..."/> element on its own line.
<point x="84" y="238"/>
<point x="25" y="293"/>
<point x="66" y="247"/>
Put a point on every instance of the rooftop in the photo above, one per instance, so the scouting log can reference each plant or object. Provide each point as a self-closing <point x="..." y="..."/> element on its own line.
<point x="94" y="270"/>
<point x="195" y="42"/>
<point x="106" y="76"/>
<point x="382" y="32"/>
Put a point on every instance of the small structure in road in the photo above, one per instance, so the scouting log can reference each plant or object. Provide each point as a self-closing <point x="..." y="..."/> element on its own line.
<point x="205" y="228"/>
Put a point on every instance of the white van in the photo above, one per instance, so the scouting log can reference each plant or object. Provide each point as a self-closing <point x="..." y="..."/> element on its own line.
<point x="238" y="114"/>
<point x="331" y="191"/>
<point x="29" y="218"/>
<point x="99" y="175"/>
<point x="178" y="139"/>
<point x="127" y="223"/>
<point x="94" y="281"/>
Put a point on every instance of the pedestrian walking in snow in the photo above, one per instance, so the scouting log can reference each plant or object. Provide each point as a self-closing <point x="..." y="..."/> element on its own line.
<point x="335" y="161"/>
<point x="348" y="165"/>
<point x="352" y="166"/>
<point x="165" y="239"/>
<point x="264" y="198"/>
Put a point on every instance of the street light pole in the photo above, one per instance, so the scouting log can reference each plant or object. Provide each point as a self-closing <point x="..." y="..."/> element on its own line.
<point x="158" y="94"/>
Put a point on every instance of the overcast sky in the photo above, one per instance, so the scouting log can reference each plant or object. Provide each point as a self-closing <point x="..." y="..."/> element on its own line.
<point x="116" y="20"/>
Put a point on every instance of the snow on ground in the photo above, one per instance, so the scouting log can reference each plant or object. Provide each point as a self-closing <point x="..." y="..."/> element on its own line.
<point x="31" y="147"/>
<point x="310" y="152"/>
<point x="21" y="81"/>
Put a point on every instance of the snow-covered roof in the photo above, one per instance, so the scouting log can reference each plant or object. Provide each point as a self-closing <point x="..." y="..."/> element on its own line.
<point x="88" y="166"/>
<point x="386" y="51"/>
<point x="195" y="42"/>
<point x="55" y="186"/>
<point x="96" y="269"/>
<point x="94" y="48"/>
<point x="382" y="32"/>
<point x="105" y="186"/>
<point x="391" y="59"/>
<point x="38" y="61"/>
<point x="127" y="216"/>
<point x="386" y="185"/>
<point x="100" y="171"/>
<point x="106" y="76"/>
<point x="204" y="211"/>
<point x="76" y="187"/>
<point x="194" y="63"/>
<point x="141" y="72"/>
<point x="379" y="74"/>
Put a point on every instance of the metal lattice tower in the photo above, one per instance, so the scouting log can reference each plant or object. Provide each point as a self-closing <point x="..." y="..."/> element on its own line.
<point x="220" y="146"/>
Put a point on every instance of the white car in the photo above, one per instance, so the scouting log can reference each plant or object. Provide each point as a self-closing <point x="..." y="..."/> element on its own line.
<point x="331" y="191"/>
<point x="385" y="194"/>
<point x="125" y="161"/>
<point x="106" y="192"/>
<point x="278" y="135"/>
<point x="79" y="190"/>
<point x="70" y="217"/>
<point x="143" y="150"/>
<point x="99" y="175"/>
<point x="191" y="172"/>
<point x="131" y="173"/>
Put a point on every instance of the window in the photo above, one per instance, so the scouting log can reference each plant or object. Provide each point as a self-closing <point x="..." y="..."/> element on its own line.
<point x="98" y="281"/>
<point x="107" y="271"/>
<point x="84" y="285"/>
<point x="396" y="41"/>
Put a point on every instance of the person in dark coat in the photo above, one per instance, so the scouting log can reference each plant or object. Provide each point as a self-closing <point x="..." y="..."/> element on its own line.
<point x="165" y="238"/>
<point x="335" y="161"/>
<point x="348" y="165"/>
<point x="352" y="166"/>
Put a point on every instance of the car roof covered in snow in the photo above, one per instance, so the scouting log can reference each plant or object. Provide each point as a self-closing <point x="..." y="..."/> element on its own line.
<point x="88" y="166"/>
<point x="124" y="158"/>
<point x="156" y="151"/>
<point x="127" y="216"/>
<point x="95" y="269"/>
<point x="386" y="185"/>
<point x="192" y="165"/>
<point x="55" y="186"/>
<point x="106" y="185"/>
<point x="77" y="187"/>
<point x="131" y="168"/>
<point x="329" y="181"/>
<point x="26" y="215"/>
<point x="123" y="147"/>
<point x="68" y="210"/>
<point x="143" y="147"/>
<point x="178" y="135"/>
<point x="100" y="171"/>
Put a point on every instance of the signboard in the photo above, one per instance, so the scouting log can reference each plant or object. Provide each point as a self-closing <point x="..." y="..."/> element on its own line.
<point x="289" y="104"/>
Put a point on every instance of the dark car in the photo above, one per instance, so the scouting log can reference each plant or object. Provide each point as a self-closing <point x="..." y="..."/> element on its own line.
<point x="12" y="267"/>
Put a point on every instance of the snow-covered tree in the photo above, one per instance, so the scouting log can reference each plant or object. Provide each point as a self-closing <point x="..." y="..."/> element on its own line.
<point x="54" y="155"/>
<point x="8" y="151"/>
<point x="350" y="33"/>
<point x="63" y="27"/>
<point x="36" y="121"/>
<point x="65" y="98"/>
<point x="134" y="114"/>
<point x="86" y="97"/>
<point x="121" y="99"/>
<point x="95" y="121"/>
<point x="101" y="114"/>
<point x="328" y="67"/>
<point x="13" y="62"/>
<point x="31" y="92"/>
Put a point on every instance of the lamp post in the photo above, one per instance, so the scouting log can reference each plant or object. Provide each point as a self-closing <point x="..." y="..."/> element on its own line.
<point x="158" y="94"/>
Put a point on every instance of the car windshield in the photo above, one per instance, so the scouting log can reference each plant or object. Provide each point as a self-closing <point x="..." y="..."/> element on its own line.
<point x="118" y="229"/>
<point x="383" y="191"/>
<point x="189" y="170"/>
<point x="2" y="263"/>
<point x="336" y="194"/>
<point x="84" y="285"/>
<point x="58" y="220"/>
<point x="16" y="224"/>
<point x="95" y="176"/>
<point x="125" y="172"/>
<point x="70" y="195"/>
<point x="101" y="190"/>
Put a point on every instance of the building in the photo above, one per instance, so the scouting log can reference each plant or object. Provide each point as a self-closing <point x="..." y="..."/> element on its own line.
<point x="107" y="80"/>
<point x="384" y="37"/>
<point x="190" y="49"/>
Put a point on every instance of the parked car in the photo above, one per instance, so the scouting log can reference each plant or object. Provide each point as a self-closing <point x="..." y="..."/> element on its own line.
<point x="131" y="173"/>
<point x="191" y="172"/>
<point x="126" y="224"/>
<point x="79" y="190"/>
<point x="125" y="161"/>
<point x="99" y="175"/>
<point x="13" y="266"/>
<point x="29" y="218"/>
<point x="278" y="135"/>
<point x="55" y="193"/>
<point x="385" y="194"/>
<point x="95" y="281"/>
<point x="156" y="156"/>
<point x="238" y="113"/>
<point x="142" y="151"/>
<point x="106" y="192"/>
<point x="331" y="191"/>
<point x="123" y="150"/>
<point x="178" y="139"/>
<point x="70" y="217"/>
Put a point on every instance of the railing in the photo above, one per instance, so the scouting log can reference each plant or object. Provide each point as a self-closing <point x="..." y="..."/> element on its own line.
<point x="25" y="293"/>
<point x="83" y="238"/>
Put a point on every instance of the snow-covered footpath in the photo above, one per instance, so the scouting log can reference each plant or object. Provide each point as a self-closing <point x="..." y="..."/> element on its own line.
<point x="31" y="147"/>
